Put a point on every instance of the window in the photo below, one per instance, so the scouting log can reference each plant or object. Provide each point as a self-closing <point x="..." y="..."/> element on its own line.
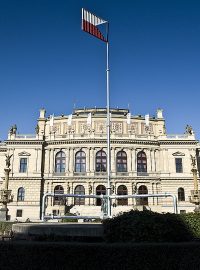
<point x="23" y="165"/>
<point x="80" y="161"/>
<point x="179" y="165"/>
<point x="122" y="190"/>
<point x="181" y="195"/>
<point x="60" y="162"/>
<point x="19" y="213"/>
<point x="81" y="191"/>
<point x="142" y="190"/>
<point x="141" y="162"/>
<point x="101" y="161"/>
<point x="20" y="194"/>
<point x="121" y="161"/>
<point x="59" y="200"/>
<point x="100" y="190"/>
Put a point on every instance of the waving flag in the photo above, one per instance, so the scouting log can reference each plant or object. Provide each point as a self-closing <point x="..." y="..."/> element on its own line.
<point x="90" y="24"/>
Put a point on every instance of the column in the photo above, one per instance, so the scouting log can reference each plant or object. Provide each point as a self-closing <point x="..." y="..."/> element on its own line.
<point x="134" y="158"/>
<point x="52" y="161"/>
<point x="36" y="160"/>
<point x="113" y="160"/>
<point x="129" y="160"/>
<point x="87" y="169"/>
<point x="47" y="161"/>
<point x="66" y="151"/>
<point x="157" y="161"/>
<point x="71" y="159"/>
<point x="91" y="156"/>
<point x="152" y="153"/>
<point x="149" y="167"/>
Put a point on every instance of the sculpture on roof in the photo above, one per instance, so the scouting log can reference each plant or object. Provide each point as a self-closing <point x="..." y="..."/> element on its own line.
<point x="189" y="130"/>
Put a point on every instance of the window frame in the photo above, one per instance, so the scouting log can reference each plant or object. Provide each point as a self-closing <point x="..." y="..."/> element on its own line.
<point x="181" y="194"/>
<point x="122" y="191"/>
<point x="101" y="165"/>
<point x="80" y="161"/>
<point x="60" y="162"/>
<point x="23" y="166"/>
<point x="79" y="201"/>
<point x="17" y="213"/>
<point x="179" y="165"/>
<point x="121" y="161"/>
<point x="58" y="200"/>
<point x="141" y="162"/>
<point x="21" y="194"/>
<point x="142" y="190"/>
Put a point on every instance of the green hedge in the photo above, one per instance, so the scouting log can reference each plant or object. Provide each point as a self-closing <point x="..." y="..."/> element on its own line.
<point x="5" y="226"/>
<point x="147" y="226"/>
<point x="192" y="221"/>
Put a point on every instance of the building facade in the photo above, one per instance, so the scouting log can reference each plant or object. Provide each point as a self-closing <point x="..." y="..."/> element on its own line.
<point x="68" y="154"/>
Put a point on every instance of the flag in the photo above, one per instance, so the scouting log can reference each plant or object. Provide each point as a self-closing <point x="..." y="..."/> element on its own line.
<point x="69" y="121"/>
<point x="89" y="119"/>
<point x="128" y="118"/>
<point x="51" y="120"/>
<point x="90" y="24"/>
<point x="147" y="119"/>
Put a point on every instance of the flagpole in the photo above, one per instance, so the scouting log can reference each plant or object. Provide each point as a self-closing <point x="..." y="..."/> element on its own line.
<point x="108" y="126"/>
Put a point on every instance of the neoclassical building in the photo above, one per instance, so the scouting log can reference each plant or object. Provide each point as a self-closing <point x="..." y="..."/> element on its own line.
<point x="68" y="154"/>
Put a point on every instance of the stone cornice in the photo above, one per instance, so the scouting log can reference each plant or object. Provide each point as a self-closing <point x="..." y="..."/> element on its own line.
<point x="186" y="142"/>
<point x="101" y="141"/>
<point x="24" y="142"/>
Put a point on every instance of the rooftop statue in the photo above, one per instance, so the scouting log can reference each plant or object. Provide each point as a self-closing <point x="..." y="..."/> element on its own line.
<point x="189" y="130"/>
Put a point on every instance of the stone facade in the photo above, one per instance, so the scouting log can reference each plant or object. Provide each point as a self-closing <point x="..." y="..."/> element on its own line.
<point x="68" y="154"/>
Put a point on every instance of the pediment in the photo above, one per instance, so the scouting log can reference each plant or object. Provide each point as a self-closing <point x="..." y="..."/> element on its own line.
<point x="178" y="154"/>
<point x="24" y="154"/>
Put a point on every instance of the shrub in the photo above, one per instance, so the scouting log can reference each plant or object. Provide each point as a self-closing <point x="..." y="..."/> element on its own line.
<point x="146" y="226"/>
<point x="65" y="220"/>
<point x="5" y="226"/>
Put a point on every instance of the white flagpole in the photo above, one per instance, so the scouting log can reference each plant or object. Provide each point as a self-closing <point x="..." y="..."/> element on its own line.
<point x="108" y="129"/>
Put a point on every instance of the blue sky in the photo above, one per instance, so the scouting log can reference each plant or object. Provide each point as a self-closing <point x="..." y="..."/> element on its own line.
<point x="47" y="61"/>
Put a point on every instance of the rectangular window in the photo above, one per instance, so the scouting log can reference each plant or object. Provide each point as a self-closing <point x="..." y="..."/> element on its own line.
<point x="19" y="213"/>
<point x="179" y="165"/>
<point x="23" y="165"/>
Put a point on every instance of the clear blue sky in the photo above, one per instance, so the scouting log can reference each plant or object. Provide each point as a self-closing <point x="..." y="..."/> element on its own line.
<point x="47" y="61"/>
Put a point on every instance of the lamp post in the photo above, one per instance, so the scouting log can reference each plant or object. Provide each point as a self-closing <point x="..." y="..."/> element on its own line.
<point x="5" y="194"/>
<point x="195" y="193"/>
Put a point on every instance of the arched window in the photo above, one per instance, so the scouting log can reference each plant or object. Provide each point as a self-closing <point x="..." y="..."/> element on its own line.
<point x="59" y="200"/>
<point x="181" y="194"/>
<point x="122" y="190"/>
<point x="60" y="162"/>
<point x="142" y="190"/>
<point x="20" y="194"/>
<point x="100" y="190"/>
<point x="80" y="191"/>
<point x="141" y="162"/>
<point x="121" y="161"/>
<point x="101" y="161"/>
<point x="80" y="161"/>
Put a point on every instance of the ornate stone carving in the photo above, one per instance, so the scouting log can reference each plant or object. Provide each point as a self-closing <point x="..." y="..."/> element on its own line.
<point x="133" y="128"/>
<point x="146" y="129"/>
<point x="8" y="157"/>
<point x="117" y="127"/>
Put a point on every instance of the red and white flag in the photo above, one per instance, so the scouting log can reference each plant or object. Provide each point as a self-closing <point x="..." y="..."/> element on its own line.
<point x="90" y="24"/>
